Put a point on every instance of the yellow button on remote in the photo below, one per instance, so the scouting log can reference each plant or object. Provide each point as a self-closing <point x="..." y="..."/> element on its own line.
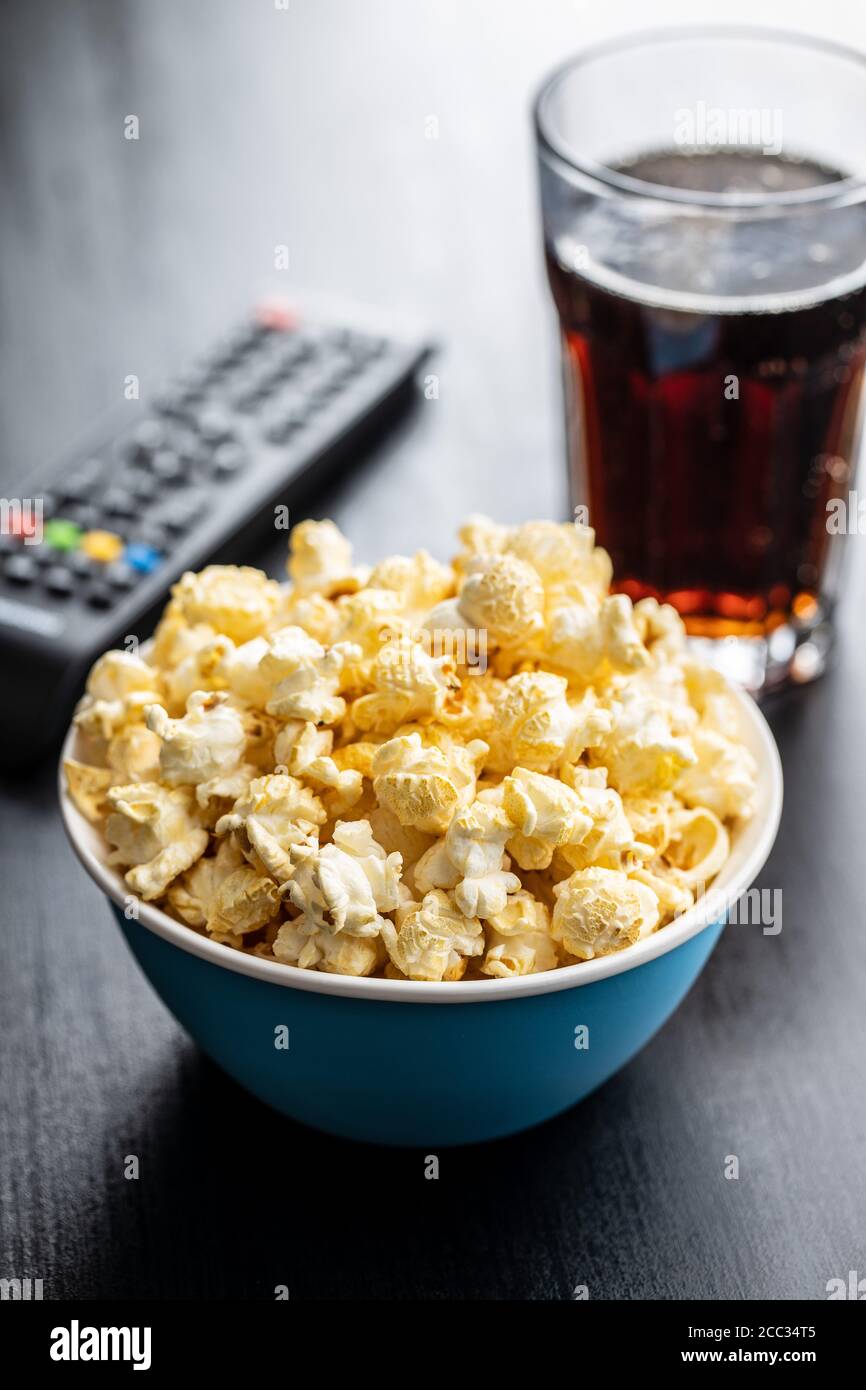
<point x="102" y="545"/>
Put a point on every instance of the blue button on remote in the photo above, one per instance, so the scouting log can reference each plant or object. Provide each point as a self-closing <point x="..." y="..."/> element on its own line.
<point x="143" y="558"/>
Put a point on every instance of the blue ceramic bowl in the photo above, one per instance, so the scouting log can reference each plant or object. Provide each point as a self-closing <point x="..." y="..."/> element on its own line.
<point x="404" y="1062"/>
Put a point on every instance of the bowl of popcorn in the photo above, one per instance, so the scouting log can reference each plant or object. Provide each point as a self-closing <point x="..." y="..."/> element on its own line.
<point x="420" y="853"/>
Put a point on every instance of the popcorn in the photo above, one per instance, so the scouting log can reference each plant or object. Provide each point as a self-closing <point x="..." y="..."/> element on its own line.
<point x="238" y="671"/>
<point x="316" y="614"/>
<point x="118" y="674"/>
<point x="305" y="676"/>
<point x="611" y="843"/>
<point x="236" y="601"/>
<point x="599" y="911"/>
<point x="640" y="753"/>
<point x="370" y="618"/>
<point x="424" y="785"/>
<point x="545" y="814"/>
<point x="244" y="901"/>
<point x="306" y="751"/>
<point x="536" y="726"/>
<point x="275" y="814"/>
<point x="471" y="860"/>
<point x="722" y="778"/>
<point x="407" y="841"/>
<point x="119" y="688"/>
<point x="201" y="669"/>
<point x="207" y="743"/>
<point x="175" y="639"/>
<point x="674" y="897"/>
<point x="565" y="558"/>
<point x="382" y="870"/>
<point x="193" y="894"/>
<point x="519" y="940"/>
<point x="650" y="818"/>
<point x="87" y="787"/>
<point x="590" y="643"/>
<point x="420" y="580"/>
<point x="434" y="939"/>
<point x="320" y="560"/>
<point x="698" y="847"/>
<point x="133" y="753"/>
<point x="338" y="887"/>
<point x="154" y="830"/>
<point x="480" y="536"/>
<point x="337" y="955"/>
<point x="408" y="683"/>
<point x="661" y="629"/>
<point x="291" y="770"/>
<point x="212" y="796"/>
<point x="502" y="596"/>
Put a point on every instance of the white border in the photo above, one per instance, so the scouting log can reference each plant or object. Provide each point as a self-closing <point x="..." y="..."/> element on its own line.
<point x="750" y="849"/>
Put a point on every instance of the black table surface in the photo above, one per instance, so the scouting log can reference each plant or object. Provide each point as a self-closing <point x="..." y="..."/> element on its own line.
<point x="388" y="145"/>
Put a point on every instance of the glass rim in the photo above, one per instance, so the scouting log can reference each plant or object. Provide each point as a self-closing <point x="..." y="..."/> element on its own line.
<point x="554" y="148"/>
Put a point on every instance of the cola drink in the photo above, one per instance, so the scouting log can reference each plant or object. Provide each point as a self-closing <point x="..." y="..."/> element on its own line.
<point x="713" y="375"/>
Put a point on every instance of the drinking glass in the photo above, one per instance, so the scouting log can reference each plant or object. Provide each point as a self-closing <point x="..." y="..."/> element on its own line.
<point x="704" y="211"/>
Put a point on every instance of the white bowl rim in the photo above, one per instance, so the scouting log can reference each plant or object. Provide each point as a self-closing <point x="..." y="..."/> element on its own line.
<point x="750" y="849"/>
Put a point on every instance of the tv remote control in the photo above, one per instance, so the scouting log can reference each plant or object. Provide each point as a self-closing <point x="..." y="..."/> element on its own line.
<point x="89" y="550"/>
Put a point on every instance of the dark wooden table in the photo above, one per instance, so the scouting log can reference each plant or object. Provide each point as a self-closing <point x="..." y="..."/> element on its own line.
<point x="311" y="128"/>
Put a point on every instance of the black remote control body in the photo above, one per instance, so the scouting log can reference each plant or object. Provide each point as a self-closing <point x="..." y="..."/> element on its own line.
<point x="87" y="554"/>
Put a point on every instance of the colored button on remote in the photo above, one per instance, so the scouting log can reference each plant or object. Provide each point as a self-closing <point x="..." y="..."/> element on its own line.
<point x="104" y="546"/>
<point x="62" y="535"/>
<point x="143" y="558"/>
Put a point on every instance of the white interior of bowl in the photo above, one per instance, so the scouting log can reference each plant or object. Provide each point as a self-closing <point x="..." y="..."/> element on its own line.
<point x="751" y="844"/>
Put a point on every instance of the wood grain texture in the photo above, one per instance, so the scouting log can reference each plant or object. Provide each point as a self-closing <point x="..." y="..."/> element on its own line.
<point x="307" y="128"/>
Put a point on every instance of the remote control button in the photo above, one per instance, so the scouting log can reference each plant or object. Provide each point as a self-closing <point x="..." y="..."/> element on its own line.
<point x="119" y="502"/>
<point x="272" y="382"/>
<point x="45" y="555"/>
<point x="315" y="337"/>
<point x="276" y="315"/>
<point x="99" y="595"/>
<point x="78" y="562"/>
<point x="182" y="517"/>
<point x="81" y="485"/>
<point x="185" y="443"/>
<point x="324" y="391"/>
<point x="103" y="546"/>
<point x="59" y="581"/>
<point x="144" y="488"/>
<point x="364" y="350"/>
<point x="248" y="402"/>
<point x="121" y="576"/>
<point x="227" y="459"/>
<point x="172" y="404"/>
<point x="214" y="426"/>
<point x="148" y="436"/>
<point x="151" y="534"/>
<point x="166" y="466"/>
<point x="143" y="558"/>
<point x="82" y="515"/>
<point x="61" y="534"/>
<point x="9" y="544"/>
<point x="20" y="569"/>
<point x="282" y="431"/>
